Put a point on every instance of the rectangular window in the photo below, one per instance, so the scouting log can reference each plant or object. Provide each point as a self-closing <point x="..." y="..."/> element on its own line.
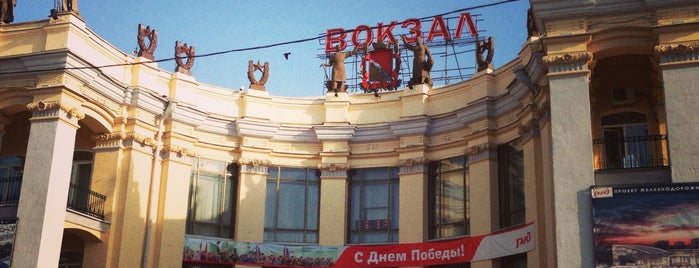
<point x="448" y="195"/>
<point x="511" y="184"/>
<point x="292" y="205"/>
<point x="373" y="206"/>
<point x="514" y="261"/>
<point x="212" y="196"/>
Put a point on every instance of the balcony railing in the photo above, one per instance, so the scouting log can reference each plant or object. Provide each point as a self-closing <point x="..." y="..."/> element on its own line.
<point x="631" y="152"/>
<point x="79" y="199"/>
<point x="9" y="190"/>
<point x="86" y="201"/>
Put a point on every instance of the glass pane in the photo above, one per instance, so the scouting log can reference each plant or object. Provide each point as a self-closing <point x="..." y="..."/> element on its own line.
<point x="312" y="237"/>
<point x="228" y="203"/>
<point x="293" y="173"/>
<point x="313" y="203"/>
<point x="452" y="164"/>
<point x="272" y="173"/>
<point x="395" y="204"/>
<point x="212" y="165"/>
<point x="206" y="230"/>
<point x="451" y="197"/>
<point x="375" y="237"/>
<point x="374" y="174"/>
<point x="268" y="236"/>
<point x="290" y="236"/>
<point x="270" y="204"/>
<point x="376" y="195"/>
<point x="190" y="211"/>
<point x="208" y="198"/>
<point x="354" y="203"/>
<point x="292" y="201"/>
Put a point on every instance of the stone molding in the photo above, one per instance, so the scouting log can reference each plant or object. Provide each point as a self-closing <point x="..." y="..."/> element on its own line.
<point x="678" y="52"/>
<point x="333" y="166"/>
<point x="50" y="108"/>
<point x="259" y="166"/>
<point x="532" y="126"/>
<point x="177" y="150"/>
<point x="483" y="151"/>
<point x="123" y="139"/>
<point x="412" y="165"/>
<point x="568" y="62"/>
<point x="333" y="170"/>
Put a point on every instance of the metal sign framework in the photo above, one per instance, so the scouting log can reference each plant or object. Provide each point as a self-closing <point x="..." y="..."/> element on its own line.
<point x="454" y="60"/>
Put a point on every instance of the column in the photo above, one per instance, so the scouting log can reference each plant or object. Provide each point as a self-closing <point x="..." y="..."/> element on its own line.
<point x="413" y="222"/>
<point x="128" y="228"/>
<point x="537" y="185"/>
<point x="105" y="173"/>
<point x="413" y="198"/>
<point x="571" y="149"/>
<point x="334" y="190"/>
<point x="483" y="192"/>
<point x="333" y="204"/>
<point x="250" y="225"/>
<point x="679" y="63"/>
<point x="165" y="248"/>
<point x="42" y="205"/>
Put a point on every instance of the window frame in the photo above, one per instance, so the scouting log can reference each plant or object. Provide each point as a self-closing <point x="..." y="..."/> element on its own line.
<point x="393" y="209"/>
<point x="435" y="185"/>
<point x="310" y="234"/>
<point x="228" y="175"/>
<point x="511" y="182"/>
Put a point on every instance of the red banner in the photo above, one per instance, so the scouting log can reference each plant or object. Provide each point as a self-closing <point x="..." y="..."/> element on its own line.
<point x="466" y="249"/>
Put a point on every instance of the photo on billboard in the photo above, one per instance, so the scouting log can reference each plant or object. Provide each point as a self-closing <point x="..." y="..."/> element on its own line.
<point x="7" y="239"/>
<point x="646" y="225"/>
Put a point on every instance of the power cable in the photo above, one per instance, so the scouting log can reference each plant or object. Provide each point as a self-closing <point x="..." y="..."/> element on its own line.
<point x="321" y="36"/>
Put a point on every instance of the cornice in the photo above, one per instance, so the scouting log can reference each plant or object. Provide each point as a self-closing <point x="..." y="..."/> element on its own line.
<point x="567" y="58"/>
<point x="482" y="152"/>
<point x="48" y="109"/>
<point x="678" y="52"/>
<point x="412" y="165"/>
<point x="258" y="166"/>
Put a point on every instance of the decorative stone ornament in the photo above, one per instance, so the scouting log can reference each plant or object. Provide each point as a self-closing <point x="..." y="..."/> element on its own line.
<point x="152" y="35"/>
<point x="254" y="83"/>
<point x="184" y="67"/>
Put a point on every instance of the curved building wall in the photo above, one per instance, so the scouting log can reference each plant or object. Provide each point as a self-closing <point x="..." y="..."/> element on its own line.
<point x="523" y="134"/>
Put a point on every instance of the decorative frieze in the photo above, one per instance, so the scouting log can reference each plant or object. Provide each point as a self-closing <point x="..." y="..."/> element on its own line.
<point x="678" y="52"/>
<point x="482" y="152"/>
<point x="51" y="109"/>
<point x="177" y="150"/>
<point x="143" y="140"/>
<point x="412" y="165"/>
<point x="259" y="166"/>
<point x="109" y="140"/>
<point x="568" y="62"/>
<point x="333" y="170"/>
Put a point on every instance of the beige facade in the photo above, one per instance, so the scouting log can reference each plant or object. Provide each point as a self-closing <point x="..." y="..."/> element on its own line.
<point x="594" y="69"/>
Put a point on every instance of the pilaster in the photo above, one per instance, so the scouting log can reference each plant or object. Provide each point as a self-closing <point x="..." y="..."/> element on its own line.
<point x="679" y="63"/>
<point x="483" y="203"/>
<point x="251" y="199"/>
<point x="45" y="184"/>
<point x="334" y="190"/>
<point x="571" y="132"/>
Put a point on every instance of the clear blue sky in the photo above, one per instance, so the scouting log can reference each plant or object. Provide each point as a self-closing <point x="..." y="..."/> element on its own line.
<point x="221" y="25"/>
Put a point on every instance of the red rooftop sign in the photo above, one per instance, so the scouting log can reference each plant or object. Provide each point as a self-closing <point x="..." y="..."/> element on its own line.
<point x="439" y="28"/>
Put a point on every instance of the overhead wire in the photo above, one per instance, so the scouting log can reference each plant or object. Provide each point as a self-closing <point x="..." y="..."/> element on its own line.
<point x="321" y="36"/>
